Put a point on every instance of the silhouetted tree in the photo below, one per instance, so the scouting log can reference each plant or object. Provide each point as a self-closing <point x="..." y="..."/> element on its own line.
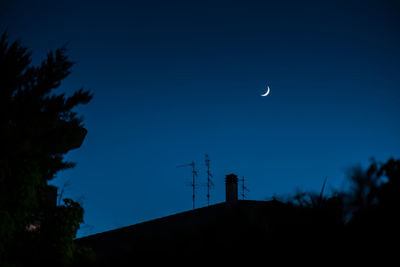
<point x="374" y="201"/>
<point x="37" y="128"/>
<point x="358" y="221"/>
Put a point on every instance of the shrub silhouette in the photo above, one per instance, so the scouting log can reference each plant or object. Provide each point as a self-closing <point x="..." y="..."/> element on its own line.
<point x="37" y="127"/>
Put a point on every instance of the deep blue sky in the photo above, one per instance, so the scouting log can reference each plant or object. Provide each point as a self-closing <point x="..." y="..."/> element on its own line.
<point x="175" y="80"/>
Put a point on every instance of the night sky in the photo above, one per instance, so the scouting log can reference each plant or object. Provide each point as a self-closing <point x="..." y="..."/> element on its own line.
<point x="173" y="81"/>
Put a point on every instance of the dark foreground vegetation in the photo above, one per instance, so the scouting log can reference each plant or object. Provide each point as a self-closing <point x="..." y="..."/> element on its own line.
<point x="38" y="127"/>
<point x="360" y="225"/>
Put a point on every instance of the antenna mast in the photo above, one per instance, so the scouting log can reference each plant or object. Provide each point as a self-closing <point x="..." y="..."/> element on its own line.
<point x="209" y="181"/>
<point x="244" y="189"/>
<point x="194" y="173"/>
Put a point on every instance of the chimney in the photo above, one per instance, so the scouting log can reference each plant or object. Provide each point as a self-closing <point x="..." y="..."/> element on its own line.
<point x="231" y="188"/>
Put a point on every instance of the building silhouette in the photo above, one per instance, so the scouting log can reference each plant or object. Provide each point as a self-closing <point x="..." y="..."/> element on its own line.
<point x="242" y="227"/>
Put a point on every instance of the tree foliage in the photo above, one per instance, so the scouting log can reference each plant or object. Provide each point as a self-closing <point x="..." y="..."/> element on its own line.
<point x="37" y="128"/>
<point x="374" y="201"/>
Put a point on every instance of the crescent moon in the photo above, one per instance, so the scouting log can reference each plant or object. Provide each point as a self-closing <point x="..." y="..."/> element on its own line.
<point x="266" y="93"/>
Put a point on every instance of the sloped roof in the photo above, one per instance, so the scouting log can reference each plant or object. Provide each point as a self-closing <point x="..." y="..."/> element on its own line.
<point x="181" y="227"/>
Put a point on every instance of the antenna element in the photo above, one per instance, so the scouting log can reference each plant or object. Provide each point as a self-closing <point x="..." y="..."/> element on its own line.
<point x="244" y="189"/>
<point x="194" y="173"/>
<point x="209" y="181"/>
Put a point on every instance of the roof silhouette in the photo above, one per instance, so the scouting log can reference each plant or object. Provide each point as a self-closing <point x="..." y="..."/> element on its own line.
<point x="218" y="227"/>
<point x="244" y="228"/>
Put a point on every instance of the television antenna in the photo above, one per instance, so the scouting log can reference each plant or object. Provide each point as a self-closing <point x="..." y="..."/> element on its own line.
<point x="194" y="174"/>
<point x="209" y="181"/>
<point x="244" y="189"/>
